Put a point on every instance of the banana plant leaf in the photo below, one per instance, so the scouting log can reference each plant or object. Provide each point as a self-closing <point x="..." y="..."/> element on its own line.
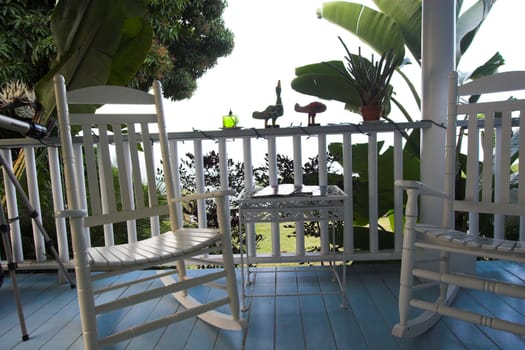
<point x="325" y="82"/>
<point x="98" y="42"/>
<point x="374" y="28"/>
<point x="407" y="15"/>
<point x="467" y="25"/>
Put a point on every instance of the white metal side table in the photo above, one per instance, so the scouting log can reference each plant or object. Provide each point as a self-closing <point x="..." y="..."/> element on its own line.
<point x="288" y="203"/>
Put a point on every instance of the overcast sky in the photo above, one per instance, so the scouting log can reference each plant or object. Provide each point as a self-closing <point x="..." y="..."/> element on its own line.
<point x="273" y="37"/>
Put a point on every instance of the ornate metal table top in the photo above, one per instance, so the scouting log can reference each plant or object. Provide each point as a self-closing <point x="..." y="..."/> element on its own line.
<point x="287" y="202"/>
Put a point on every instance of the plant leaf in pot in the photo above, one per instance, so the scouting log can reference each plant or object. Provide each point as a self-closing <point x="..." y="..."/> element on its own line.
<point x="371" y="79"/>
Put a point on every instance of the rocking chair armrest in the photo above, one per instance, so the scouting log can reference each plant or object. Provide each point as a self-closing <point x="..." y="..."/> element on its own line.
<point x="71" y="213"/>
<point x="205" y="195"/>
<point x="421" y="188"/>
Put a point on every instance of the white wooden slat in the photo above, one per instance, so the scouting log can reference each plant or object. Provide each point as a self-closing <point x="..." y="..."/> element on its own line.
<point x="34" y="201"/>
<point x="272" y="179"/>
<point x="398" y="192"/>
<point x="505" y="81"/>
<point x="105" y="175"/>
<point x="149" y="163"/>
<point x="521" y="169"/>
<point x="199" y="182"/>
<point x="58" y="202"/>
<point x="82" y="196"/>
<point x="488" y="165"/>
<point x="248" y="182"/>
<point x="100" y="118"/>
<point x="372" y="192"/>
<point x="107" y="187"/>
<point x="12" y="207"/>
<point x="124" y="174"/>
<point x="121" y="216"/>
<point x="490" y="107"/>
<point x="323" y="182"/>
<point x="472" y="183"/>
<point x="298" y="181"/>
<point x="174" y="151"/>
<point x="109" y="94"/>
<point x="133" y="146"/>
<point x="348" y="187"/>
<point x="502" y="177"/>
<point x="91" y="168"/>
<point x="122" y="169"/>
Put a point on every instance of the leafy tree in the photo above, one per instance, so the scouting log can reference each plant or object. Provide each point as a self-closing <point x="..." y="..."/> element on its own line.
<point x="189" y="38"/>
<point x="111" y="42"/>
<point x="26" y="44"/>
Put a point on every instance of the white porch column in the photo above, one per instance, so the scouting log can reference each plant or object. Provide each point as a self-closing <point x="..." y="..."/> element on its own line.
<point x="438" y="60"/>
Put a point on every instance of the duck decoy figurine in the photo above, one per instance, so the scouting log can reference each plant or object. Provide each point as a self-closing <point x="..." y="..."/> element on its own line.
<point x="312" y="109"/>
<point x="273" y="111"/>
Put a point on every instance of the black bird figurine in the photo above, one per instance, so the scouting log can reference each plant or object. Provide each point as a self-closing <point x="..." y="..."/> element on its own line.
<point x="273" y="111"/>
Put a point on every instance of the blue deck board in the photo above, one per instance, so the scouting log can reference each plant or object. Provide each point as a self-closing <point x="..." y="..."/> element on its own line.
<point x="315" y="322"/>
<point x="275" y="322"/>
<point x="289" y="332"/>
<point x="261" y="319"/>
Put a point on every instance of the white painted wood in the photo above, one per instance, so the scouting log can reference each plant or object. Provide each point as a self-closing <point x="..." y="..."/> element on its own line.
<point x="248" y="182"/>
<point x="398" y="192"/>
<point x="298" y="181"/>
<point x="323" y="182"/>
<point x="12" y="209"/>
<point x="272" y="178"/>
<point x="349" y="191"/>
<point x="172" y="247"/>
<point x="438" y="59"/>
<point x="58" y="202"/>
<point x="372" y="192"/>
<point x="494" y="185"/>
<point x="34" y="199"/>
<point x="199" y="181"/>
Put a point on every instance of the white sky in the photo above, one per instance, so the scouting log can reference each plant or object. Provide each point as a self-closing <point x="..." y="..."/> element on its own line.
<point x="273" y="37"/>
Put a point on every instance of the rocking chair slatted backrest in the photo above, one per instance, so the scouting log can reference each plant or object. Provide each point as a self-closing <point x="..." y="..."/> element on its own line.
<point x="483" y="137"/>
<point x="113" y="161"/>
<point x="493" y="139"/>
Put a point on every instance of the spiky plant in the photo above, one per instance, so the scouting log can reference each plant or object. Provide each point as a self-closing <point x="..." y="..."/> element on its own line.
<point x="371" y="78"/>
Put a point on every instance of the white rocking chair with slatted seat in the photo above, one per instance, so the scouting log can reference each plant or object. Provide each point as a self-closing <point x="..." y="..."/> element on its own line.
<point x="490" y="129"/>
<point x="127" y="139"/>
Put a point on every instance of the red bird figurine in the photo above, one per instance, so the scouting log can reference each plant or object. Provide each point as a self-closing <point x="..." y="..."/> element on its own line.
<point x="312" y="109"/>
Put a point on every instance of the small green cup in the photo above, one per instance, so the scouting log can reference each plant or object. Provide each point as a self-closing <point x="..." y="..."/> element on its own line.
<point x="230" y="120"/>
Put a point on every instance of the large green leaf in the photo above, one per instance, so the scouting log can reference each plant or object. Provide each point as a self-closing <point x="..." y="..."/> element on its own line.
<point x="325" y="80"/>
<point x="98" y="42"/>
<point x="374" y="28"/>
<point x="407" y="15"/>
<point x="468" y="24"/>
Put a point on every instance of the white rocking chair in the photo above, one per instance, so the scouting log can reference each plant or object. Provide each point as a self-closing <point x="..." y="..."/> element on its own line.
<point x="128" y="139"/>
<point x="490" y="129"/>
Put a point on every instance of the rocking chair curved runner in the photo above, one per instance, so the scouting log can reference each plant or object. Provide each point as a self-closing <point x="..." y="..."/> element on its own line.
<point x="491" y="129"/>
<point x="128" y="138"/>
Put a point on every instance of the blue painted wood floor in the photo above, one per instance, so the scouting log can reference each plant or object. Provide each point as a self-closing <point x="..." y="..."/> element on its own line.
<point x="282" y="322"/>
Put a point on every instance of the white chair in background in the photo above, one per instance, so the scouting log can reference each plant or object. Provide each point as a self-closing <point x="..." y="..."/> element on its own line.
<point x="490" y="138"/>
<point x="118" y="159"/>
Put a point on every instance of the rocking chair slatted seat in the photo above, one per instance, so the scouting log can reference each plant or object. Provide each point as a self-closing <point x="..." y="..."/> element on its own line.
<point x="491" y="130"/>
<point x="115" y="153"/>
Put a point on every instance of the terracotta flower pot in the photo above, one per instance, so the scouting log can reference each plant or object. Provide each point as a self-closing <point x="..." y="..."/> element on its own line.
<point x="371" y="112"/>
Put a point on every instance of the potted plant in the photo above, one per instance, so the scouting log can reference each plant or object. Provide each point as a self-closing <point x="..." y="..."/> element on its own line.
<point x="372" y="80"/>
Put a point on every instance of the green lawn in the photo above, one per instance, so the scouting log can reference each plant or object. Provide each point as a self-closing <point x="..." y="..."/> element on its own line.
<point x="288" y="238"/>
<point x="286" y="235"/>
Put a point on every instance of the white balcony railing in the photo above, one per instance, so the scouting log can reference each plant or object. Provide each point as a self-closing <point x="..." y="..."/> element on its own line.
<point x="250" y="147"/>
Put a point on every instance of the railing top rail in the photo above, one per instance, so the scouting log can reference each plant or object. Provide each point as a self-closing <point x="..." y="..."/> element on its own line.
<point x="331" y="129"/>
